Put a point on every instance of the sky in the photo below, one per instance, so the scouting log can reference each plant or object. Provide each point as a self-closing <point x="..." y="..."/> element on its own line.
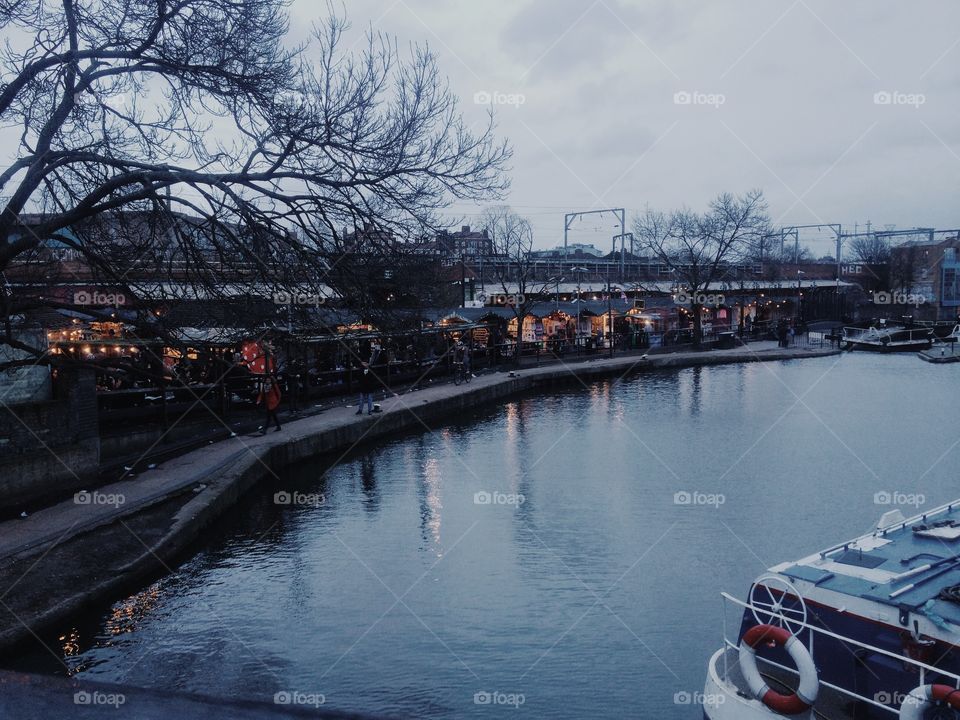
<point x="841" y="112"/>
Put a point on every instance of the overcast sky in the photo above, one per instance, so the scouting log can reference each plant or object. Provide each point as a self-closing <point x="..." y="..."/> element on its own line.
<point x="664" y="103"/>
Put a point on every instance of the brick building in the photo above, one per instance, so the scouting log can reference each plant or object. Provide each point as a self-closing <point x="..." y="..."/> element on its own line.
<point x="931" y="269"/>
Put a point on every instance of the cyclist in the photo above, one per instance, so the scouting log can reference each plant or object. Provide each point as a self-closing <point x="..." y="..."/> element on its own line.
<point x="461" y="361"/>
<point x="465" y="358"/>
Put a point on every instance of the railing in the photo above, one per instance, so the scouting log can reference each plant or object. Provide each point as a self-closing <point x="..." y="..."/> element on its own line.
<point x="899" y="525"/>
<point x="855" y="332"/>
<point x="921" y="667"/>
<point x="903" y="334"/>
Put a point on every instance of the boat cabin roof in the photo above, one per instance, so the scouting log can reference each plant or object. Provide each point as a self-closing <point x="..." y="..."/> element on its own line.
<point x="905" y="563"/>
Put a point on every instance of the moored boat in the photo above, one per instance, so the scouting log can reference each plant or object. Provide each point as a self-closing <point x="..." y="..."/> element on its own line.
<point x="887" y="338"/>
<point x="944" y="350"/>
<point x="869" y="628"/>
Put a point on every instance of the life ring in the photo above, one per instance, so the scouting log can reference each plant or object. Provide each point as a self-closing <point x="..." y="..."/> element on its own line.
<point x="806" y="694"/>
<point x="924" y="697"/>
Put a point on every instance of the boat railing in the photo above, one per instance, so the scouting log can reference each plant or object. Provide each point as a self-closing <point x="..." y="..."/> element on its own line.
<point x="923" y="517"/>
<point x="922" y="668"/>
<point x="903" y="334"/>
<point x="855" y="332"/>
<point x="917" y="334"/>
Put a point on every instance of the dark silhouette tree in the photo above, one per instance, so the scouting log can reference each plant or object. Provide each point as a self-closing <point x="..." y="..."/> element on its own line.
<point x="514" y="269"/>
<point x="700" y="248"/>
<point x="187" y="139"/>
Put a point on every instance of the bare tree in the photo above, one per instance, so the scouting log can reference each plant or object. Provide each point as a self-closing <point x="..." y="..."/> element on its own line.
<point x="791" y="254"/>
<point x="699" y="248"/>
<point x="873" y="249"/>
<point x="185" y="137"/>
<point x="514" y="270"/>
<point x="906" y="267"/>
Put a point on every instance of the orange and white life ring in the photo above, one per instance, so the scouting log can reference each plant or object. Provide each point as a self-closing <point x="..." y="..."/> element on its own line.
<point x="925" y="697"/>
<point x="795" y="703"/>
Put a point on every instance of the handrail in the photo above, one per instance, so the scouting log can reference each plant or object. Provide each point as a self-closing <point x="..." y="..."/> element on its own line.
<point x="923" y="667"/>
<point x="835" y="636"/>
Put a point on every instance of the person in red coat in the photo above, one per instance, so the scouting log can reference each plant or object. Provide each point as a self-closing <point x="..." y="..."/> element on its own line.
<point x="270" y="397"/>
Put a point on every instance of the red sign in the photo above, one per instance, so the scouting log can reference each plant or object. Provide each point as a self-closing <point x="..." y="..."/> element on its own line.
<point x="255" y="356"/>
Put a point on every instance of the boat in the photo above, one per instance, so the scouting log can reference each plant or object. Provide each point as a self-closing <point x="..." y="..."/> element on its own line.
<point x="887" y="338"/>
<point x="869" y="628"/>
<point x="943" y="350"/>
<point x="953" y="337"/>
<point x="938" y="358"/>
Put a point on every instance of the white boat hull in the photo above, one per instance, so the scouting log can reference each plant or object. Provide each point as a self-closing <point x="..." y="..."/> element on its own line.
<point x="723" y="699"/>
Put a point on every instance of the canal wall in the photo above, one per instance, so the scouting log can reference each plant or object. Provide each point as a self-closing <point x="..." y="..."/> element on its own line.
<point x="32" y="697"/>
<point x="174" y="503"/>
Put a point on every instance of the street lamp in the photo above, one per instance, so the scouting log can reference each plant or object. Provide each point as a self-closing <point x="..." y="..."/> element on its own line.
<point x="799" y="273"/>
<point x="579" y="271"/>
<point x="622" y="237"/>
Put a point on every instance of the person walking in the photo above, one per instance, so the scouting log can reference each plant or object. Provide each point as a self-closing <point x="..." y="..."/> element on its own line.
<point x="294" y="383"/>
<point x="464" y="356"/>
<point x="270" y="397"/>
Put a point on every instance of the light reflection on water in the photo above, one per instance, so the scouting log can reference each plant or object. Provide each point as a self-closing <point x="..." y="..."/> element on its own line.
<point x="597" y="596"/>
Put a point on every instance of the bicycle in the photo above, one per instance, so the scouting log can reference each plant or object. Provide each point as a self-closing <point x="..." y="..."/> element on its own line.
<point x="460" y="373"/>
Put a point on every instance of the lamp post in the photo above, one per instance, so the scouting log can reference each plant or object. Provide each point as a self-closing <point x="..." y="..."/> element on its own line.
<point x="799" y="273"/>
<point x="622" y="237"/>
<point x="610" y="316"/>
<point x="580" y="271"/>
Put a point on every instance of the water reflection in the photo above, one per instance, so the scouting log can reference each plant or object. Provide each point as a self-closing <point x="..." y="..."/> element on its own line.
<point x="70" y="643"/>
<point x="432" y="504"/>
<point x="691" y="388"/>
<point x="368" y="481"/>
<point x="125" y="616"/>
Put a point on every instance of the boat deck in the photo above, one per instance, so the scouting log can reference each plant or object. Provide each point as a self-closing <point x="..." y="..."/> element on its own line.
<point x="903" y="565"/>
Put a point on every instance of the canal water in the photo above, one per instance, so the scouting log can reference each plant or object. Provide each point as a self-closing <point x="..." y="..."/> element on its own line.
<point x="560" y="556"/>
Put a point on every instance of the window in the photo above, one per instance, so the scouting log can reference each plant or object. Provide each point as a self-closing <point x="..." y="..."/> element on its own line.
<point x="950" y="292"/>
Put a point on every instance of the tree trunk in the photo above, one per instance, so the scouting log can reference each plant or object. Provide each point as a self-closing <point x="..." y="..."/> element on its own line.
<point x="697" y="323"/>
<point x="518" y="345"/>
